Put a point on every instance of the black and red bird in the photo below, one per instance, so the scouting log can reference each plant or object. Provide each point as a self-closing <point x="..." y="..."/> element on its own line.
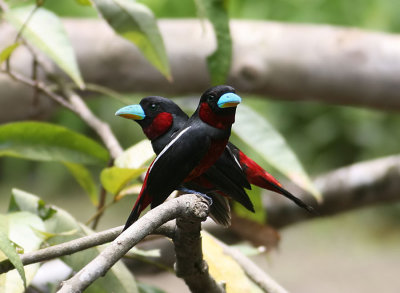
<point x="191" y="151"/>
<point x="160" y="118"/>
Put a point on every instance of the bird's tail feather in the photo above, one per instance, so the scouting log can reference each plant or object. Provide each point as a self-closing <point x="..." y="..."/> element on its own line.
<point x="220" y="211"/>
<point x="290" y="196"/>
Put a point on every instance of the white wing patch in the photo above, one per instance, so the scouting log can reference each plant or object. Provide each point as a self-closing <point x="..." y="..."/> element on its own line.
<point x="237" y="162"/>
<point x="169" y="145"/>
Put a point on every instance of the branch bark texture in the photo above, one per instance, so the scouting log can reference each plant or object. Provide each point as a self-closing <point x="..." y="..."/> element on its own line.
<point x="190" y="264"/>
<point x="289" y="61"/>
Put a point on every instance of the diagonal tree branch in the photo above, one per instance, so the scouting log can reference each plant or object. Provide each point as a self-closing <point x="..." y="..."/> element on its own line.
<point x="186" y="207"/>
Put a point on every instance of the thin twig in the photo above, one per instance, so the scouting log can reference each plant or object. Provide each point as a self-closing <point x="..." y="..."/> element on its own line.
<point x="101" y="207"/>
<point x="102" y="129"/>
<point x="41" y="87"/>
<point x="77" y="106"/>
<point x="80" y="244"/>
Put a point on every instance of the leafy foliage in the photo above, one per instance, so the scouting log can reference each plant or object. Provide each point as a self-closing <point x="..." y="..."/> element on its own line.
<point x="48" y="142"/>
<point x="17" y="229"/>
<point x="85" y="180"/>
<point x="6" y="53"/>
<point x="118" y="279"/>
<point x="219" y="62"/>
<point x="256" y="131"/>
<point x="136" y="23"/>
<point x="8" y="249"/>
<point x="44" y="30"/>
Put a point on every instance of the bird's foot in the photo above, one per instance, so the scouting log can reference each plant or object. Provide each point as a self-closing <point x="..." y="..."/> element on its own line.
<point x="187" y="190"/>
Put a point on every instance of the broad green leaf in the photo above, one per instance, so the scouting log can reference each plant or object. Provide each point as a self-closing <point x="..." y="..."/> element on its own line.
<point x="136" y="156"/>
<point x="85" y="179"/>
<point x="224" y="268"/>
<point x="9" y="251"/>
<point x="19" y="227"/>
<point x="136" y="23"/>
<point x="49" y="142"/>
<point x="219" y="62"/>
<point x="45" y="31"/>
<point x="118" y="278"/>
<point x="259" y="134"/>
<point x="5" y="54"/>
<point x="259" y="215"/>
<point x="114" y="179"/>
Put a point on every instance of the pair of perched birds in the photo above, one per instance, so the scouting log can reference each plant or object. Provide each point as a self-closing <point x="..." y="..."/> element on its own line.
<point x="194" y="154"/>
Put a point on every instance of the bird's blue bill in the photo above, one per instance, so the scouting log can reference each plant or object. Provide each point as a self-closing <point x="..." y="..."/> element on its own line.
<point x="134" y="112"/>
<point x="229" y="100"/>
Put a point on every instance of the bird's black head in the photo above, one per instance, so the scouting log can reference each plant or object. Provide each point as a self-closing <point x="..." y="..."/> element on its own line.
<point x="217" y="106"/>
<point x="156" y="115"/>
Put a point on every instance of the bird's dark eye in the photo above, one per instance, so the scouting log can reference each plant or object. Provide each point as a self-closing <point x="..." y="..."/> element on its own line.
<point x="211" y="97"/>
<point x="153" y="107"/>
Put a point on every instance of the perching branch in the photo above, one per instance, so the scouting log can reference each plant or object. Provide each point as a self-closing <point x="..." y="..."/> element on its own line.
<point x="289" y="61"/>
<point x="355" y="186"/>
<point x="185" y="207"/>
<point x="190" y="264"/>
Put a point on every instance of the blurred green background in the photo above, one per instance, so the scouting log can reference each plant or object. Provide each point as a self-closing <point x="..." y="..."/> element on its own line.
<point x="324" y="137"/>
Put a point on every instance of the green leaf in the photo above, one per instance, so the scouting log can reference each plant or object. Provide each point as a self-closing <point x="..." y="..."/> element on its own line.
<point x="136" y="156"/>
<point x="45" y="31"/>
<point x="84" y="2"/>
<point x="136" y="23"/>
<point x="49" y="142"/>
<point x="9" y="251"/>
<point x="259" y="134"/>
<point x="6" y="53"/>
<point x="219" y="62"/>
<point x="85" y="179"/>
<point x="19" y="228"/>
<point x="118" y="278"/>
<point x="114" y="179"/>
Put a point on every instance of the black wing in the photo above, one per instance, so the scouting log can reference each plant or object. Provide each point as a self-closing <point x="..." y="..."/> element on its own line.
<point x="175" y="162"/>
<point x="229" y="165"/>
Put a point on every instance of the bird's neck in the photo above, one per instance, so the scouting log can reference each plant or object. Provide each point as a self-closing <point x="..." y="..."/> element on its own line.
<point x="221" y="121"/>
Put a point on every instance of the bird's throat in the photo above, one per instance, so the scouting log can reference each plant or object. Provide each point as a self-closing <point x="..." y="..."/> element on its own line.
<point x="160" y="125"/>
<point x="207" y="115"/>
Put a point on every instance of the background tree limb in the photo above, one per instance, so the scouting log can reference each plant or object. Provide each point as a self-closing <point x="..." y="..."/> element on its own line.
<point x="355" y="186"/>
<point x="289" y="61"/>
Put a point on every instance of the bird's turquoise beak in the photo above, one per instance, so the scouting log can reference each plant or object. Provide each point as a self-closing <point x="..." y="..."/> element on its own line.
<point x="229" y="100"/>
<point x="134" y="112"/>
